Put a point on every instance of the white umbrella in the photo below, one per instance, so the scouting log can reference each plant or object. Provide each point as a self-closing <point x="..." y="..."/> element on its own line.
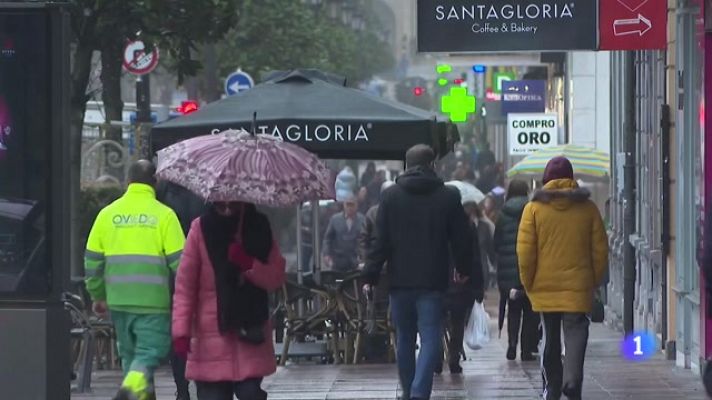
<point x="468" y="192"/>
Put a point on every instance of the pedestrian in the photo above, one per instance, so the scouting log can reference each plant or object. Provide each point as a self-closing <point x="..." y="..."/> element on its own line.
<point x="133" y="248"/>
<point x="306" y="263"/>
<point x="367" y="238"/>
<point x="705" y="262"/>
<point x="368" y="174"/>
<point x="373" y="190"/>
<point x="345" y="184"/>
<point x="221" y="306"/>
<point x="375" y="347"/>
<point x="463" y="293"/>
<point x="341" y="245"/>
<point x="490" y="209"/>
<point x="513" y="299"/>
<point x="562" y="250"/>
<point x="485" y="237"/>
<point x="419" y="221"/>
<point x="187" y="207"/>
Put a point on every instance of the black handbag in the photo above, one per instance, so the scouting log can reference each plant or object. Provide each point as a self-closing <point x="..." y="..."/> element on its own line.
<point x="598" y="311"/>
<point x="253" y="335"/>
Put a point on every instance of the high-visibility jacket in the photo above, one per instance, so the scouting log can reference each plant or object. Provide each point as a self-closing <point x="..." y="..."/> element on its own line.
<point x="133" y="248"/>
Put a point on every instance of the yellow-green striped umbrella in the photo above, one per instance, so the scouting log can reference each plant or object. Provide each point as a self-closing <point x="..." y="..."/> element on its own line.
<point x="587" y="162"/>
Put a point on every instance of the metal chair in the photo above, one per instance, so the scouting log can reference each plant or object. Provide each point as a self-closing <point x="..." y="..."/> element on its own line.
<point x="378" y="323"/>
<point x="82" y="342"/>
<point x="306" y="311"/>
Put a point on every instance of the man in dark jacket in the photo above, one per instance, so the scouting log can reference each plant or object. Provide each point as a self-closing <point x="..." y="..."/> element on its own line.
<point x="512" y="296"/>
<point x="419" y="221"/>
<point x="187" y="207"/>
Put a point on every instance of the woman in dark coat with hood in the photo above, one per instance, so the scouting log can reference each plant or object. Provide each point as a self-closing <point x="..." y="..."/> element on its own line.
<point x="510" y="286"/>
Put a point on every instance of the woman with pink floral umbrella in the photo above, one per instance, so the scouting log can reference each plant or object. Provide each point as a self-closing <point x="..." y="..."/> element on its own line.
<point x="231" y="260"/>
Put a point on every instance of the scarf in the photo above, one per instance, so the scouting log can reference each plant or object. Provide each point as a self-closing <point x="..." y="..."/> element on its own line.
<point x="240" y="304"/>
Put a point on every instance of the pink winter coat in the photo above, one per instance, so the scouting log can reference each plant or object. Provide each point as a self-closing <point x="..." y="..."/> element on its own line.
<point x="214" y="357"/>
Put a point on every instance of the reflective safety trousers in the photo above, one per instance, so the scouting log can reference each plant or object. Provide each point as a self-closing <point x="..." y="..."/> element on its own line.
<point x="133" y="248"/>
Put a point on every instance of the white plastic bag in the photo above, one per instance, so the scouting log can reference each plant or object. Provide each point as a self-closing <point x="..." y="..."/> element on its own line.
<point x="477" y="332"/>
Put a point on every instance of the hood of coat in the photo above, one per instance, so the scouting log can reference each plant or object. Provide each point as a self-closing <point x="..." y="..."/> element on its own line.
<point x="514" y="207"/>
<point x="419" y="180"/>
<point x="561" y="193"/>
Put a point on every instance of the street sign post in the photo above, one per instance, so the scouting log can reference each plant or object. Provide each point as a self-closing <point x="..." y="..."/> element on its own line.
<point x="633" y="24"/>
<point x="237" y="82"/>
<point x="531" y="132"/>
<point x="523" y="97"/>
<point x="137" y="61"/>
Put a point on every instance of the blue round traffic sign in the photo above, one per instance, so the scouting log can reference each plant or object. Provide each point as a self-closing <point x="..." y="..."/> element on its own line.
<point x="237" y="82"/>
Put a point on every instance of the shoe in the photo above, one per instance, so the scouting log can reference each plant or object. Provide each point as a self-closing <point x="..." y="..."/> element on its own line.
<point x="455" y="369"/>
<point x="438" y="368"/>
<point x="526" y="356"/>
<point x="183" y="395"/>
<point x="124" y="394"/>
<point x="511" y="353"/>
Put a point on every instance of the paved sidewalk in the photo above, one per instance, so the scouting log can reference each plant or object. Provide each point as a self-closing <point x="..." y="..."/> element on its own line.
<point x="487" y="375"/>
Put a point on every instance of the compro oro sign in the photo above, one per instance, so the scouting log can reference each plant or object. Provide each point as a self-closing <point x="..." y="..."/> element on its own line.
<point x="506" y="25"/>
<point x="531" y="132"/>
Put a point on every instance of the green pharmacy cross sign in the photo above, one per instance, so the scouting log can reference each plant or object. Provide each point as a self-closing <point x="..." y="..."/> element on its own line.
<point x="458" y="104"/>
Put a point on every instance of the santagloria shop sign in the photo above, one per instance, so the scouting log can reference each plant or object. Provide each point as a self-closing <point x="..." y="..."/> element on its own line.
<point x="506" y="25"/>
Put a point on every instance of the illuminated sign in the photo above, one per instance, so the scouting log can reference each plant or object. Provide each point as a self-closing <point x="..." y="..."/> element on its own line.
<point x="458" y="104"/>
<point x="500" y="78"/>
<point x="506" y="25"/>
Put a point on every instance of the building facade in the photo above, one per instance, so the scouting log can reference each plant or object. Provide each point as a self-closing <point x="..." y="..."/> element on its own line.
<point x="669" y="187"/>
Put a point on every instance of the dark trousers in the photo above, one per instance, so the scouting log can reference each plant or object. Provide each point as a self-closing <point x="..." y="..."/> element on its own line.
<point x="249" y="389"/>
<point x="307" y="252"/>
<point x="458" y="305"/>
<point x="522" y="323"/>
<point x="178" y="367"/>
<point x="566" y="379"/>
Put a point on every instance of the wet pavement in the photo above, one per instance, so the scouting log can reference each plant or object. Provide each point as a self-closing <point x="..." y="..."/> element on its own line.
<point x="487" y="375"/>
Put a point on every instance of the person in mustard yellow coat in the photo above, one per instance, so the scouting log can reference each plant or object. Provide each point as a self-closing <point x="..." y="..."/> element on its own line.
<point x="563" y="252"/>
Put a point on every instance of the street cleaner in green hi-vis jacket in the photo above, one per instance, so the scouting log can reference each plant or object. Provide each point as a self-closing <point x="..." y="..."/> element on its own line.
<point x="132" y="254"/>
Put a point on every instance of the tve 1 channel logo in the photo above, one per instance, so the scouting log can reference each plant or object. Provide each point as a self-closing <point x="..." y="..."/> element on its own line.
<point x="639" y="346"/>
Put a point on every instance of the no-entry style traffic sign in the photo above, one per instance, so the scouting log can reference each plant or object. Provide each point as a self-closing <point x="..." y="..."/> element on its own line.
<point x="633" y="24"/>
<point x="137" y="61"/>
<point x="237" y="82"/>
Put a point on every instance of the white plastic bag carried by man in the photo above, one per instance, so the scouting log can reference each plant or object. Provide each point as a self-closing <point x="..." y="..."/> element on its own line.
<point x="477" y="332"/>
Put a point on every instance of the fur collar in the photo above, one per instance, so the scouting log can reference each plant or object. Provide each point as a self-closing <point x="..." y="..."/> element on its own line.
<point x="578" y="195"/>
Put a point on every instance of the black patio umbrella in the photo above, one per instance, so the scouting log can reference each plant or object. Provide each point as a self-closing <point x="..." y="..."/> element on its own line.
<point x="315" y="111"/>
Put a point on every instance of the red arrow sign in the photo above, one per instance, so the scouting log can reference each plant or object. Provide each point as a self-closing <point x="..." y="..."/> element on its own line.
<point x="637" y="26"/>
<point x="633" y="24"/>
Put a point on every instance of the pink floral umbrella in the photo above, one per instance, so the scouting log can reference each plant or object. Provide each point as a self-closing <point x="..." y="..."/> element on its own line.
<point x="236" y="166"/>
